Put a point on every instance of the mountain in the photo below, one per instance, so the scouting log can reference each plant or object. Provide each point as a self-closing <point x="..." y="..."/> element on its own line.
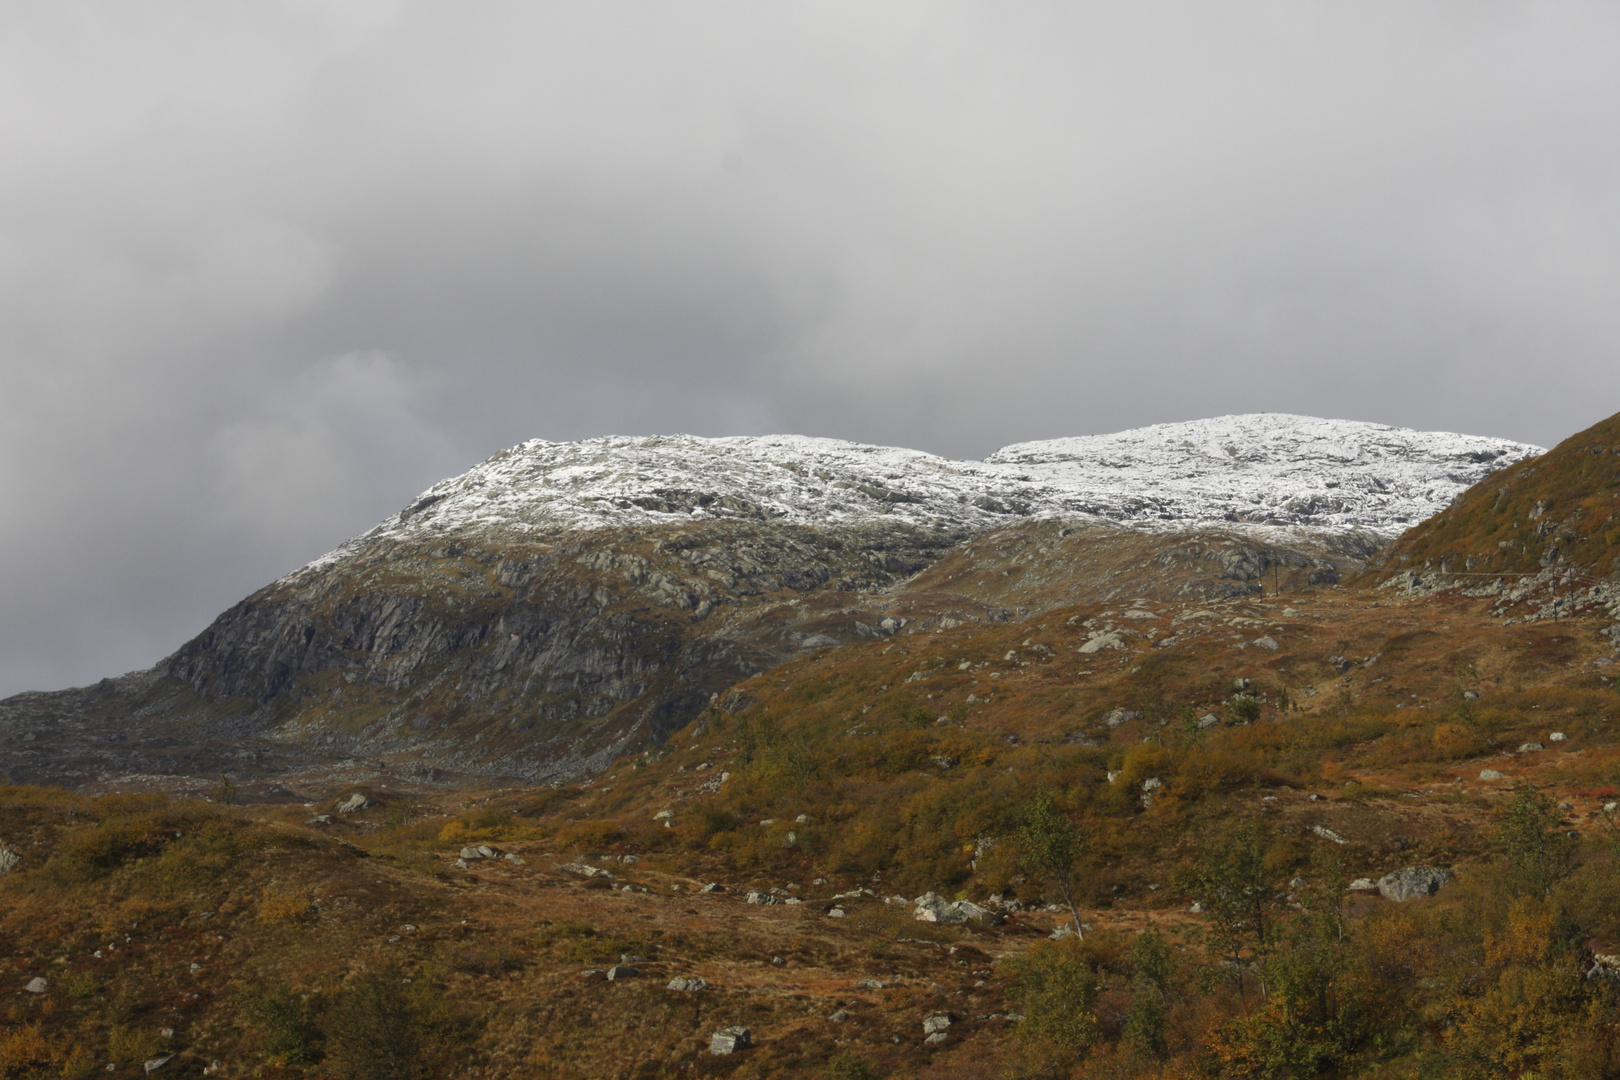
<point x="1541" y="535"/>
<point x="560" y="602"/>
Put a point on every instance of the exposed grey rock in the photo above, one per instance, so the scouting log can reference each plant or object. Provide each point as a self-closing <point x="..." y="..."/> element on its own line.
<point x="729" y="1040"/>
<point x="1099" y="642"/>
<point x="1557" y="736"/>
<point x="688" y="983"/>
<point x="320" y="819"/>
<point x="1604" y="966"/>
<point x="1207" y="721"/>
<point x="154" y="1064"/>
<point x="1530" y="747"/>
<point x="355" y="803"/>
<point x="9" y="860"/>
<point x="835" y="913"/>
<point x="711" y="887"/>
<point x="622" y="971"/>
<point x="870" y="984"/>
<point x="1362" y="884"/>
<point x="839" y="1017"/>
<point x="515" y="859"/>
<point x="1115" y="717"/>
<point x="1328" y="834"/>
<point x="1267" y="642"/>
<point x="937" y="1022"/>
<point x="1491" y="774"/>
<point x="471" y="853"/>
<point x="37" y="985"/>
<point x="1412" y="883"/>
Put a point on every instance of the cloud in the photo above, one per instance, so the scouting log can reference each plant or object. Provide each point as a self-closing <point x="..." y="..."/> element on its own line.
<point x="268" y="270"/>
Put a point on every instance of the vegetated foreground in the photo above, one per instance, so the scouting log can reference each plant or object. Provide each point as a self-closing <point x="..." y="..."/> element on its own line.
<point x="1250" y="758"/>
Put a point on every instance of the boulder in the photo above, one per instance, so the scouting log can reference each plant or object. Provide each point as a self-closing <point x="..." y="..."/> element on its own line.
<point x="1268" y="642"/>
<point x="1557" y="736"/>
<point x="729" y="1040"/>
<point x="1362" y="884"/>
<point x="711" y="887"/>
<point x="1115" y="717"/>
<point x="1098" y="642"/>
<point x="1530" y="747"/>
<point x="320" y="819"/>
<point x="836" y="913"/>
<point x="1604" y="966"/>
<point x="37" y="985"/>
<point x="760" y="898"/>
<point x="1412" y="883"/>
<point x="355" y="803"/>
<point x="1491" y="774"/>
<point x="154" y="1064"/>
<point x="8" y="860"/>
<point x="621" y="971"/>
<point x="937" y="1022"/>
<point x="1207" y="721"/>
<point x="688" y="983"/>
<point x="471" y="853"/>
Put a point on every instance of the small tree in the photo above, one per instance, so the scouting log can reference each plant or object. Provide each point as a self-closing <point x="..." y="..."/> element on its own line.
<point x="1050" y="847"/>
<point x="1229" y="883"/>
<point x="1529" y="840"/>
<point x="1057" y="987"/>
<point x="224" y="792"/>
<point x="1150" y="995"/>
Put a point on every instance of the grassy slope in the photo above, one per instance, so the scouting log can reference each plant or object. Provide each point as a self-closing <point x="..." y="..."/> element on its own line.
<point x="851" y="739"/>
<point x="1557" y="508"/>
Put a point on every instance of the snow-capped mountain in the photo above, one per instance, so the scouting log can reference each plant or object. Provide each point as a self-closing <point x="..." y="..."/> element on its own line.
<point x="1261" y="468"/>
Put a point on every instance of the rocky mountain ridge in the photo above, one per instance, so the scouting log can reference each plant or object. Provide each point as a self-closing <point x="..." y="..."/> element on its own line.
<point x="540" y="613"/>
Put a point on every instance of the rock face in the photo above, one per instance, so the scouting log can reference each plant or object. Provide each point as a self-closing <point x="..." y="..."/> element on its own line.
<point x="1412" y="883"/>
<point x="729" y="1040"/>
<point x="537" y="615"/>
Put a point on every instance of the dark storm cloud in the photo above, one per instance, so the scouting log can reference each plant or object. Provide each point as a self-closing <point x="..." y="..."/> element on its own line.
<point x="268" y="270"/>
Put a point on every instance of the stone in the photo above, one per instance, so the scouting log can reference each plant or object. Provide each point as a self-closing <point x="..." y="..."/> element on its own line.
<point x="407" y="928"/>
<point x="631" y="958"/>
<point x="688" y="983"/>
<point x="1362" y="884"/>
<point x="626" y="859"/>
<point x="870" y="984"/>
<point x="839" y="1017"/>
<point x="1115" y="717"/>
<point x="1098" y="642"/>
<point x="1207" y="721"/>
<point x="8" y="860"/>
<point x="355" y="803"/>
<point x="663" y="815"/>
<point x="154" y="1064"/>
<point x="320" y="819"/>
<point x="1491" y="774"/>
<point x="1604" y="966"/>
<point x="802" y="819"/>
<point x="515" y="859"/>
<point x="937" y="1022"/>
<point x="836" y="913"/>
<point x="1412" y="883"/>
<point x="711" y="887"/>
<point x="730" y="1040"/>
<point x="471" y="853"/>
<point x="37" y="985"/>
<point x="1557" y="736"/>
<point x="1530" y="747"/>
<point x="1328" y="834"/>
<point x="1267" y="642"/>
<point x="1470" y="695"/>
<point x="621" y="971"/>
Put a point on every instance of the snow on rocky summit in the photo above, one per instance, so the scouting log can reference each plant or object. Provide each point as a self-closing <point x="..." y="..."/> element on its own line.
<point x="1260" y="469"/>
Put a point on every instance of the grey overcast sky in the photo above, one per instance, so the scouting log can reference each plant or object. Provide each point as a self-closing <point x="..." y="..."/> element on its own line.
<point x="269" y="269"/>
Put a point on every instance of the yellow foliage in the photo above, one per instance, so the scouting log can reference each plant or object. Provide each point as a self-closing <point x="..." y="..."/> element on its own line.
<point x="283" y="904"/>
<point x="23" y="1050"/>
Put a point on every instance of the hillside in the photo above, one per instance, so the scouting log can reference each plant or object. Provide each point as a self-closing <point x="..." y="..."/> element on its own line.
<point x="1541" y="537"/>
<point x="782" y="847"/>
<point x="559" y="603"/>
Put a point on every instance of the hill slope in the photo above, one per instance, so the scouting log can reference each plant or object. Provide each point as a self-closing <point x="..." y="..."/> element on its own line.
<point x="1556" y="510"/>
<point x="537" y="615"/>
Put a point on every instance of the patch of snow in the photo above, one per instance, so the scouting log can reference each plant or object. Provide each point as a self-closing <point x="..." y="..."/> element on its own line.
<point x="1261" y="469"/>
